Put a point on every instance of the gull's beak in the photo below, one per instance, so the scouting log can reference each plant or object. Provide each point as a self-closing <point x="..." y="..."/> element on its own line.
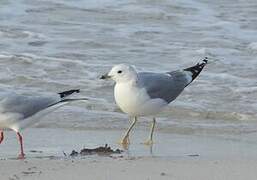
<point x="105" y="76"/>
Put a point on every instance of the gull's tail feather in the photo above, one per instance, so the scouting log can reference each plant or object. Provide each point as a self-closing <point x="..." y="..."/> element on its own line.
<point x="65" y="101"/>
<point x="196" y="70"/>
<point x="67" y="93"/>
<point x="73" y="99"/>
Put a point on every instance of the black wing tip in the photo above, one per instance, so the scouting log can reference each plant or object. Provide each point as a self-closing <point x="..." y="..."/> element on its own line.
<point x="196" y="70"/>
<point x="205" y="60"/>
<point x="69" y="92"/>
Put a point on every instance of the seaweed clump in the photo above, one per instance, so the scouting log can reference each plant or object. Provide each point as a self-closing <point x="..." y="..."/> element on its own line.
<point x="101" y="150"/>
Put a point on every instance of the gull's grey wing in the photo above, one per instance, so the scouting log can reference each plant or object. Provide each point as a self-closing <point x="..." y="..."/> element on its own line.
<point x="26" y="105"/>
<point x="166" y="86"/>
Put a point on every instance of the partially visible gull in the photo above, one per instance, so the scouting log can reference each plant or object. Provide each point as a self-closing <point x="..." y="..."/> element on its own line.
<point x="19" y="111"/>
<point x="147" y="93"/>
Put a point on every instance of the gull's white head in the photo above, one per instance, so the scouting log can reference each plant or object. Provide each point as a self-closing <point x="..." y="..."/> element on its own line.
<point x="121" y="73"/>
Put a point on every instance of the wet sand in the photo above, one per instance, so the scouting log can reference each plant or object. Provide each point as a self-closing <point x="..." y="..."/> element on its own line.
<point x="173" y="156"/>
<point x="43" y="142"/>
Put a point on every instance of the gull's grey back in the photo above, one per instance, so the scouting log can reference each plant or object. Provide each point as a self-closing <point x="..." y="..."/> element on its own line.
<point x="25" y="105"/>
<point x="166" y="86"/>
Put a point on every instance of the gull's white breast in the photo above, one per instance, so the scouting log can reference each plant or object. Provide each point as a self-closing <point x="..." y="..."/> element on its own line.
<point x="135" y="101"/>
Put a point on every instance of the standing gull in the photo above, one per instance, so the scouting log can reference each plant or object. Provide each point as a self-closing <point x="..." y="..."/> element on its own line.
<point x="146" y="93"/>
<point x="20" y="111"/>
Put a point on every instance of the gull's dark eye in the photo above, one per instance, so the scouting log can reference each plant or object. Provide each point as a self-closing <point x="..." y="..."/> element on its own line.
<point x="119" y="72"/>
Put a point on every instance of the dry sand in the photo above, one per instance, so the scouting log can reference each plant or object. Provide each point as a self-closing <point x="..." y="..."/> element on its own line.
<point x="129" y="168"/>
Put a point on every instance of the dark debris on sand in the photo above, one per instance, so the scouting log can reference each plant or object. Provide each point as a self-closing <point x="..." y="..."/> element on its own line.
<point x="101" y="150"/>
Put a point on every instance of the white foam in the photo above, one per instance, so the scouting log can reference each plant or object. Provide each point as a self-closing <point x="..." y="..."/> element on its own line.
<point x="246" y="89"/>
<point x="253" y="46"/>
<point x="31" y="34"/>
<point x="5" y="56"/>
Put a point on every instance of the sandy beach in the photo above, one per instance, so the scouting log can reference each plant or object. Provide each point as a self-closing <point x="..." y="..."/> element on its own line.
<point x="173" y="156"/>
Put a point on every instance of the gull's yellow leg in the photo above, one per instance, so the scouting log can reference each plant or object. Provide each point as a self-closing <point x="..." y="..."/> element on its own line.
<point x="125" y="139"/>
<point x="150" y="140"/>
